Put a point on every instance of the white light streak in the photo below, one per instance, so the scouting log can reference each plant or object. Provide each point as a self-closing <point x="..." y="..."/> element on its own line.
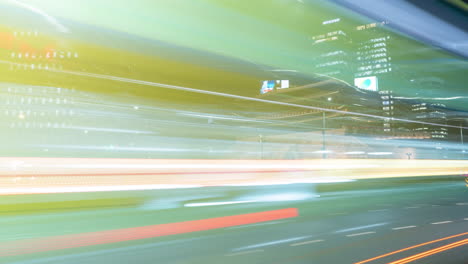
<point x="224" y="118"/>
<point x="323" y="151"/>
<point x="215" y="203"/>
<point x="270" y="243"/>
<point x="6" y="191"/>
<point x="380" y="153"/>
<point x="188" y="89"/>
<point x="38" y="11"/>
<point x="360" y="227"/>
<point x="355" y="153"/>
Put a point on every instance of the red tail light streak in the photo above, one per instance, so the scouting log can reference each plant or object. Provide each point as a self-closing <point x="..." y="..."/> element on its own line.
<point x="37" y="245"/>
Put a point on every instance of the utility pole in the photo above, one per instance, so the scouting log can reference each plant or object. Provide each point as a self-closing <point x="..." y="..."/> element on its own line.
<point x="324" y="126"/>
<point x="461" y="139"/>
<point x="260" y="139"/>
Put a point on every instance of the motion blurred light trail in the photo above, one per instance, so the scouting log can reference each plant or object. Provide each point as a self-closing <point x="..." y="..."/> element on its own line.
<point x="227" y="95"/>
<point x="431" y="252"/>
<point x="412" y="247"/>
<point x="36" y="245"/>
<point x="59" y="175"/>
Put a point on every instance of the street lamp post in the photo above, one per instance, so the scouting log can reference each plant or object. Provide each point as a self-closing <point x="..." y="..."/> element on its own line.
<point x="260" y="139"/>
<point x="461" y="139"/>
<point x="324" y="126"/>
<point x="409" y="154"/>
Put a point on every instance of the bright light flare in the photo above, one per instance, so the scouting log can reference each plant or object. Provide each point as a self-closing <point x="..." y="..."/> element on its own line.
<point x="56" y="175"/>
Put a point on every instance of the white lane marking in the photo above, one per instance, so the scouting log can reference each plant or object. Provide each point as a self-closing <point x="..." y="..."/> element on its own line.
<point x="465" y="219"/>
<point x="359" y="227"/>
<point x="440" y="223"/>
<point x="411" y="207"/>
<point x="340" y="213"/>
<point x="306" y="242"/>
<point x="244" y="252"/>
<point x="403" y="227"/>
<point x="258" y="224"/>
<point x="461" y="203"/>
<point x="271" y="243"/>
<point x="361" y="234"/>
<point x="378" y="210"/>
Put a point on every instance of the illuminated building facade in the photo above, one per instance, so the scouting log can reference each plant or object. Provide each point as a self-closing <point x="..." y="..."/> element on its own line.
<point x="373" y="63"/>
<point x="431" y="113"/>
<point x="332" y="47"/>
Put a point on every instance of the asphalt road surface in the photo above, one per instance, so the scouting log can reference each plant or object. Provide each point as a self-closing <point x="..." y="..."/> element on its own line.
<point x="380" y="221"/>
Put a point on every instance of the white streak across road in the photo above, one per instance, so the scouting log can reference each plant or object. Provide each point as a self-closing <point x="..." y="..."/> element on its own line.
<point x="403" y="227"/>
<point x="244" y="252"/>
<point x="270" y="243"/>
<point x="306" y="242"/>
<point x="254" y="248"/>
<point x="440" y="223"/>
<point x="360" y="227"/>
<point x="361" y="234"/>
